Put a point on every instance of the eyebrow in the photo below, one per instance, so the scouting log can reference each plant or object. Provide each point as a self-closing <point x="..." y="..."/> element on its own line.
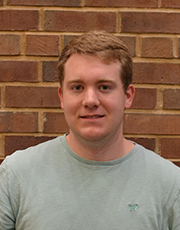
<point x="106" y="80"/>
<point x="98" y="81"/>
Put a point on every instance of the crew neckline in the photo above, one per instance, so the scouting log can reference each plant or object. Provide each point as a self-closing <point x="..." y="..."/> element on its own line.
<point x="92" y="162"/>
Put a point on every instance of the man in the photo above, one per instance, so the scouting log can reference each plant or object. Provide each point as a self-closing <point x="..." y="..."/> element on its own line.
<point x="92" y="177"/>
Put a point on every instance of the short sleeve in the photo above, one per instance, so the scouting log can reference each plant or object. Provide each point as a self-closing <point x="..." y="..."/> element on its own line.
<point x="174" y="220"/>
<point x="7" y="219"/>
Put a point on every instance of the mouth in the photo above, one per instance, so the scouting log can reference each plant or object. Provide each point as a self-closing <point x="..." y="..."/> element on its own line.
<point x="92" y="116"/>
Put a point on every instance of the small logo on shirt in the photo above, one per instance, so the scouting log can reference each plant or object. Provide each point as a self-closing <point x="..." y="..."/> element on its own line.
<point x="133" y="207"/>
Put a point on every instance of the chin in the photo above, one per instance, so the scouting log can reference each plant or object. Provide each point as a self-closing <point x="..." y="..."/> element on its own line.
<point x="94" y="137"/>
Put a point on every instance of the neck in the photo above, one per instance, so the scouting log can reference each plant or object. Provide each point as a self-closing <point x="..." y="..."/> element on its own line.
<point x="97" y="151"/>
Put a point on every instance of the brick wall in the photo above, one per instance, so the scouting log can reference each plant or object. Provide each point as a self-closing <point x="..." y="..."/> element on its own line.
<point x="32" y="34"/>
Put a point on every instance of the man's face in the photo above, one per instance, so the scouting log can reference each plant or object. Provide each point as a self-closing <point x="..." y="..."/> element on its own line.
<point x="93" y="98"/>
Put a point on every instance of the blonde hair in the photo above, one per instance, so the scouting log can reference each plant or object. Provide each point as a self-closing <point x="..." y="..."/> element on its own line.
<point x="104" y="45"/>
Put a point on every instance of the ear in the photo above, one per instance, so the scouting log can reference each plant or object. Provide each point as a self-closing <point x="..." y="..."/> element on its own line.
<point x="129" y="95"/>
<point x="60" y="94"/>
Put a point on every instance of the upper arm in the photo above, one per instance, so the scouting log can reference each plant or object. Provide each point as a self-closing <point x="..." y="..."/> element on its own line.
<point x="7" y="218"/>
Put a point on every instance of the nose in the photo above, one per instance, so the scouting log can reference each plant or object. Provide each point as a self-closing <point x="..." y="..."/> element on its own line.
<point x="91" y="98"/>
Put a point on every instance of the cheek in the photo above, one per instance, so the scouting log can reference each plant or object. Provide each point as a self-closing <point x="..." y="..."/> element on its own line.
<point x="70" y="106"/>
<point x="115" y="104"/>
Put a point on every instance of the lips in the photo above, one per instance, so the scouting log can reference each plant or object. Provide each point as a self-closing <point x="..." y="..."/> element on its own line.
<point x="92" y="116"/>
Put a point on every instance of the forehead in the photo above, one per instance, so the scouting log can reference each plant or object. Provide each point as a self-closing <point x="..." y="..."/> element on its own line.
<point x="79" y="64"/>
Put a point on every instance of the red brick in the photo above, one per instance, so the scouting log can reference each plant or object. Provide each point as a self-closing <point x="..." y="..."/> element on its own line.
<point x="42" y="45"/>
<point x="1" y="146"/>
<point x="19" y="20"/>
<point x="9" y="44"/>
<point x="13" y="143"/>
<point x="18" y="122"/>
<point x="122" y="3"/>
<point x="152" y="124"/>
<point x="179" y="48"/>
<point x="170" y="4"/>
<point x="50" y="72"/>
<point x="43" y="3"/>
<point x="19" y="71"/>
<point x="55" y="123"/>
<point x="157" y="47"/>
<point x="145" y="98"/>
<point x="148" y="143"/>
<point x="79" y="21"/>
<point x="37" y="97"/>
<point x="156" y="73"/>
<point x="145" y="22"/>
<point x="171" y="99"/>
<point x="170" y="148"/>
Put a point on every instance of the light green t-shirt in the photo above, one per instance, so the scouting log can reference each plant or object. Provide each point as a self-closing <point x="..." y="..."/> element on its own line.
<point x="49" y="187"/>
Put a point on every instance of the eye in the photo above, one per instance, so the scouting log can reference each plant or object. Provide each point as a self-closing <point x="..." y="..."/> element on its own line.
<point x="104" y="87"/>
<point x="77" y="87"/>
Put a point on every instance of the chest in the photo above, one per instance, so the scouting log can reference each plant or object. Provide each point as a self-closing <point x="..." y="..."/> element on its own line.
<point x="97" y="200"/>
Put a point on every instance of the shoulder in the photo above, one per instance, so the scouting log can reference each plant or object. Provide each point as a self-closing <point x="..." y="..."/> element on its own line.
<point x="152" y="159"/>
<point x="37" y="149"/>
<point x="160" y="169"/>
<point x="161" y="174"/>
<point x="35" y="155"/>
